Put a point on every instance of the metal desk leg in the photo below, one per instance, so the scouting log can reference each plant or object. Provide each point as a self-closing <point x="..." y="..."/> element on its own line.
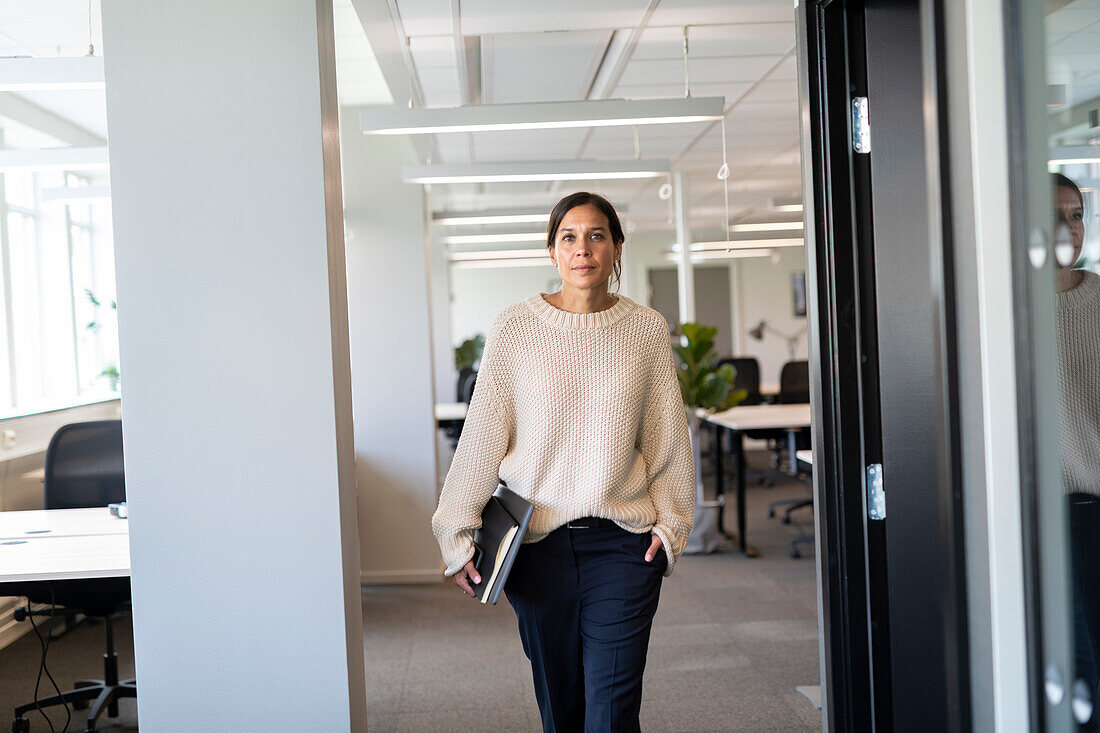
<point x="792" y="460"/>
<point x="719" y="475"/>
<point x="739" y="445"/>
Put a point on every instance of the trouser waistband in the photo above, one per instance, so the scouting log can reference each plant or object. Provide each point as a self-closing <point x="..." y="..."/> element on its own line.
<point x="589" y="523"/>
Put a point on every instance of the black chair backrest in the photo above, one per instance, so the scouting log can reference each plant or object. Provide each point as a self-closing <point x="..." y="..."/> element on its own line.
<point x="84" y="466"/>
<point x="794" y="382"/>
<point x="466" y="387"/>
<point x="463" y="375"/>
<point x="747" y="377"/>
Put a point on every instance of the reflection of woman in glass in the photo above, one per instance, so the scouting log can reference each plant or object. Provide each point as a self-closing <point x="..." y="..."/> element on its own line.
<point x="1078" y="316"/>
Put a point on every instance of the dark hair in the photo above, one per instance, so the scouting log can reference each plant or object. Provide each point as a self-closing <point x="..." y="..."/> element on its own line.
<point x="580" y="198"/>
<point x="1059" y="180"/>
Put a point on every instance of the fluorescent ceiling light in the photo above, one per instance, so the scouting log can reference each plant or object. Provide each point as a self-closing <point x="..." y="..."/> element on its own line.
<point x="454" y="219"/>
<point x="767" y="226"/>
<point x="1074" y="154"/>
<point x="522" y="262"/>
<point x="494" y="238"/>
<point x="25" y="74"/>
<point x="570" y="170"/>
<point x="500" y="254"/>
<point x="741" y="244"/>
<point x="540" y="115"/>
<point x="66" y="194"/>
<point x="782" y="204"/>
<point x="68" y="159"/>
<point x="736" y="254"/>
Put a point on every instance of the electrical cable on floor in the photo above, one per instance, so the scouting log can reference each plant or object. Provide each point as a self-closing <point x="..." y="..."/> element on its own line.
<point x="45" y="644"/>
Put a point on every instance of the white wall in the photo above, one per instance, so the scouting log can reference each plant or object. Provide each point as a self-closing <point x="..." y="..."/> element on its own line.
<point x="391" y="357"/>
<point x="766" y="294"/>
<point x="760" y="290"/>
<point x="479" y="294"/>
<point x="240" y="471"/>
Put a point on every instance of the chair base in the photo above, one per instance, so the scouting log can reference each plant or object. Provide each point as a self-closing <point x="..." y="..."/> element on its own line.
<point x="105" y="697"/>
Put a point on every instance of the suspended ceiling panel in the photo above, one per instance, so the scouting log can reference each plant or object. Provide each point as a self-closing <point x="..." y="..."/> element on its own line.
<point x="700" y="71"/>
<point x="425" y="17"/>
<point x="718" y="12"/>
<point x="488" y="17"/>
<point x="539" y="67"/>
<point x="528" y="144"/>
<point x="716" y="41"/>
<point x="48" y="27"/>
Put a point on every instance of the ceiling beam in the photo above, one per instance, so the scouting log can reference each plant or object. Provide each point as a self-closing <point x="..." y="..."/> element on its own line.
<point x="1065" y="120"/>
<point x="64" y="72"/>
<point x="25" y="112"/>
<point x="71" y="159"/>
<point x="385" y="31"/>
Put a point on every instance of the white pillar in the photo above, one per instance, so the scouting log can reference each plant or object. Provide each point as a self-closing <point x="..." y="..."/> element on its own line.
<point x="240" y="471"/>
<point x="391" y="349"/>
<point x="685" y="273"/>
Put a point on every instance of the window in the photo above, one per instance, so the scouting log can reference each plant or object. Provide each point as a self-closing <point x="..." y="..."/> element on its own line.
<point x="58" y="332"/>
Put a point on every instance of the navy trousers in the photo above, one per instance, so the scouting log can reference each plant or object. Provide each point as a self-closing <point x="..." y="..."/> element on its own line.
<point x="585" y="600"/>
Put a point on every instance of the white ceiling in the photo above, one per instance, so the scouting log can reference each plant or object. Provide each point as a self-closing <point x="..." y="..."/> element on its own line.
<point x="1073" y="63"/>
<point x="536" y="51"/>
<point x="527" y="51"/>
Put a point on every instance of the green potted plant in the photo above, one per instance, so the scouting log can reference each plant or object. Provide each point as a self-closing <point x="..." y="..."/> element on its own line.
<point x="705" y="389"/>
<point x="469" y="351"/>
<point x="110" y="371"/>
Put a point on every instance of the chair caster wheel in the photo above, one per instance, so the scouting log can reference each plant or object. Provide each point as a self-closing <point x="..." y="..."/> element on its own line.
<point x="21" y="725"/>
<point x="785" y="520"/>
<point x="771" y="514"/>
<point x="795" y="554"/>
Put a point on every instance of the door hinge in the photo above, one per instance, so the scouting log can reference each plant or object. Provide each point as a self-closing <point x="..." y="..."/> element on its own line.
<point x="861" y="126"/>
<point x="876" y="492"/>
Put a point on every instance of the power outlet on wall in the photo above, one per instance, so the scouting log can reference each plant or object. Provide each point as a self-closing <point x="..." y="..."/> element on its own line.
<point x="7" y="439"/>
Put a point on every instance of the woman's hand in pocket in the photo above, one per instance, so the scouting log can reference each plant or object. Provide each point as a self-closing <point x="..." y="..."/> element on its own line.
<point x="655" y="546"/>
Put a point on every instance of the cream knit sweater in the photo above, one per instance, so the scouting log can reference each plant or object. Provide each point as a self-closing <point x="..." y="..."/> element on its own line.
<point x="580" y="414"/>
<point x="1078" y="318"/>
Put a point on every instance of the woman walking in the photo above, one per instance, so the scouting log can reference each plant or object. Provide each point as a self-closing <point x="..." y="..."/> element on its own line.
<point x="577" y="409"/>
<point x="1077" y="308"/>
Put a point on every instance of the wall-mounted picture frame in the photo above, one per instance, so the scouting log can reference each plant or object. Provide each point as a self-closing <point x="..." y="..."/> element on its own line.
<point x="798" y="283"/>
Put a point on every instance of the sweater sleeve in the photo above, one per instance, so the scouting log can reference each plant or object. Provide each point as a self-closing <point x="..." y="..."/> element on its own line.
<point x="666" y="448"/>
<point x="472" y="478"/>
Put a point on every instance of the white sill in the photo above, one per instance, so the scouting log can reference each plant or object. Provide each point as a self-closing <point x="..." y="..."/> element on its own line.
<point x="46" y="407"/>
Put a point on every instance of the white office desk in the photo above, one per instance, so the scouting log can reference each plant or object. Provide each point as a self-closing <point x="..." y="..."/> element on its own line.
<point x="806" y="456"/>
<point x="450" y="411"/>
<point x="791" y="418"/>
<point x="763" y="417"/>
<point x="78" y="544"/>
<point x="60" y="523"/>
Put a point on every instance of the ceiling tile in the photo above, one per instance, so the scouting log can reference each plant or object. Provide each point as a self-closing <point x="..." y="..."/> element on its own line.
<point x="433" y="51"/>
<point x="539" y="67"/>
<point x="701" y="71"/>
<point x="752" y="39"/>
<point x="679" y="13"/>
<point x="485" y="17"/>
<point x="425" y="17"/>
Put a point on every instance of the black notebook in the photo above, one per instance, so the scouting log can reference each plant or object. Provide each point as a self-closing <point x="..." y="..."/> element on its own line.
<point x="503" y="525"/>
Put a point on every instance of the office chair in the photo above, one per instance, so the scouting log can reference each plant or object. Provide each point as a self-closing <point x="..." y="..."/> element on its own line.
<point x="464" y="390"/>
<point x="84" y="468"/>
<point x="794" y="388"/>
<point x="747" y="377"/>
<point x="466" y="383"/>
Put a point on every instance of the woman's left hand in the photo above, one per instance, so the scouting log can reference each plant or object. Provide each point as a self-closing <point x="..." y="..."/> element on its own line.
<point x="654" y="547"/>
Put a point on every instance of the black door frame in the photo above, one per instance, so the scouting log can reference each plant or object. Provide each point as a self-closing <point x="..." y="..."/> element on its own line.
<point x="880" y="278"/>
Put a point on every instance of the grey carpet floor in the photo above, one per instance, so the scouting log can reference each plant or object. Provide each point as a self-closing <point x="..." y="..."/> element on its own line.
<point x="732" y="639"/>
